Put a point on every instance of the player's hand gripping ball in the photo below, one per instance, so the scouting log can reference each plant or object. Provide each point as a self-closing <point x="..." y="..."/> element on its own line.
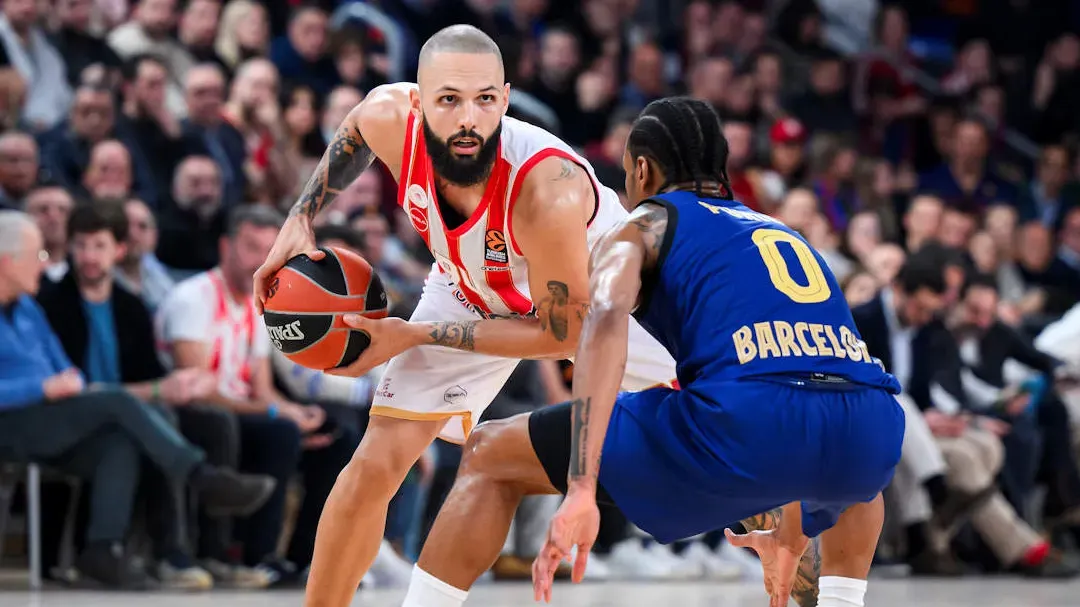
<point x="305" y="303"/>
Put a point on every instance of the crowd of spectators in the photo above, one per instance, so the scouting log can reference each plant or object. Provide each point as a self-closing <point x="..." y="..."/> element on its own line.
<point x="928" y="150"/>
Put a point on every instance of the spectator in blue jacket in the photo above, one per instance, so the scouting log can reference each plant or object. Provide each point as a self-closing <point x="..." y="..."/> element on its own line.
<point x="48" y="415"/>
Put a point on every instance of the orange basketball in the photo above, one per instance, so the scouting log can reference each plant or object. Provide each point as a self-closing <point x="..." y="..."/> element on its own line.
<point x="307" y="299"/>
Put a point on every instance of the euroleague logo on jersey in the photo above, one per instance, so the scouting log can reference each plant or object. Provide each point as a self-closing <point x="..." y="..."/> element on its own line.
<point x="495" y="246"/>
<point x="418" y="201"/>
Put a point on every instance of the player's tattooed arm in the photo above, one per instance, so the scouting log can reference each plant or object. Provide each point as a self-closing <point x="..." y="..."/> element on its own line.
<point x="579" y="437"/>
<point x="651" y="221"/>
<point x="555" y="311"/>
<point x="805" y="590"/>
<point x="456" y="334"/>
<point x="345" y="158"/>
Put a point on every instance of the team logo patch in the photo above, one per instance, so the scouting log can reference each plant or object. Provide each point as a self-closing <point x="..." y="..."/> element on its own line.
<point x="495" y="247"/>
<point x="417" y="196"/>
<point x="418" y="218"/>
<point x="454" y="395"/>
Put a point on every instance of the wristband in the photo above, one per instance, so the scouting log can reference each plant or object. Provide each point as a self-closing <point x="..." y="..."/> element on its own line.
<point x="272" y="410"/>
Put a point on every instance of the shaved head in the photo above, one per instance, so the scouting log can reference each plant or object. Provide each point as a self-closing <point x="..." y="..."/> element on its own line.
<point x="462" y="40"/>
<point x="463" y="95"/>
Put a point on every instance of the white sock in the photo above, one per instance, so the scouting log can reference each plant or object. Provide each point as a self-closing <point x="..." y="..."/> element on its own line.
<point x="836" y="591"/>
<point x="426" y="590"/>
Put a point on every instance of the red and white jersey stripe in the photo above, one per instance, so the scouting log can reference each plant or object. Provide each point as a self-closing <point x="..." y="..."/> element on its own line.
<point x="480" y="257"/>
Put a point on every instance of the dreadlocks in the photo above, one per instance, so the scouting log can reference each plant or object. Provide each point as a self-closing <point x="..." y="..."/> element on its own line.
<point x="684" y="137"/>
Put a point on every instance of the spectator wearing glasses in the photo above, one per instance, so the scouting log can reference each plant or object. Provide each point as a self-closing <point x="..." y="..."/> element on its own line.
<point x="49" y="204"/>
<point x="48" y="415"/>
<point x="140" y="271"/>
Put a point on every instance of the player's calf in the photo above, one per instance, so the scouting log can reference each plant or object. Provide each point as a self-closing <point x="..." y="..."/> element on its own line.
<point x="498" y="468"/>
<point x="354" y="518"/>
<point x="847" y="551"/>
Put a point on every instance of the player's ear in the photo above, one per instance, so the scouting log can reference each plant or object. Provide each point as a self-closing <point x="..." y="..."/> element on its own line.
<point x="414" y="101"/>
<point x="506" y="98"/>
<point x="643" y="175"/>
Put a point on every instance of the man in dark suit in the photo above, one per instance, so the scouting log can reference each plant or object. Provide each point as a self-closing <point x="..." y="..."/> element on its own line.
<point x="901" y="328"/>
<point x="1039" y="445"/>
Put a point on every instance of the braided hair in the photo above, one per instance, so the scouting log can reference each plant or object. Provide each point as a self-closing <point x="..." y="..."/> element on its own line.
<point x="684" y="137"/>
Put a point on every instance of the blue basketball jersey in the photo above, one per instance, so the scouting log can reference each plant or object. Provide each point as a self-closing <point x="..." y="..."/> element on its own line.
<point x="738" y="294"/>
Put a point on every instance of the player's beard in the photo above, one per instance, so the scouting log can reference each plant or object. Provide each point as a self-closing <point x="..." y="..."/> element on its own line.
<point x="462" y="170"/>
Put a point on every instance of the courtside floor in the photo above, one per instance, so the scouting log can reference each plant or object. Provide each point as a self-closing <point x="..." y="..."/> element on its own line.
<point x="991" y="592"/>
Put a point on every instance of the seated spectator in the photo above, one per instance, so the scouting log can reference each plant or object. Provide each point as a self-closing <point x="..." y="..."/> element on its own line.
<point x="150" y="31"/>
<point x="50" y="206"/>
<point x="253" y="110"/>
<point x="108" y="174"/>
<point x="922" y="221"/>
<point x="193" y="222"/>
<point x="18" y="168"/>
<point x="80" y="47"/>
<point x="207" y="133"/>
<point x="786" y="168"/>
<point x="41" y="66"/>
<point x="67" y="150"/>
<point x="243" y="32"/>
<point x="209" y="322"/>
<point x="301" y="54"/>
<point x="140" y="271"/>
<point x="1040" y="433"/>
<point x="885" y="261"/>
<point x="109" y="335"/>
<point x="956" y="228"/>
<point x="966" y="179"/>
<point x="48" y="415"/>
<point x="1053" y="192"/>
<point x="862" y="236"/>
<point x="860" y="287"/>
<point x="155" y="133"/>
<point x="1042" y="268"/>
<point x="899" y="330"/>
<point x="197" y="30"/>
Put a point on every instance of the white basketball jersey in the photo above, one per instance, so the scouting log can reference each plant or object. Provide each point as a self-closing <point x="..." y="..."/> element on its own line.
<point x="480" y="257"/>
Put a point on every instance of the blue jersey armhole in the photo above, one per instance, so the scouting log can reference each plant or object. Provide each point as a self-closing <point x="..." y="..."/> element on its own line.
<point x="651" y="278"/>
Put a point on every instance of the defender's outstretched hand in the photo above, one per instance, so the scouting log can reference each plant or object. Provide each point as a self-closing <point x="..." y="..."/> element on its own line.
<point x="296" y="238"/>
<point x="779" y="562"/>
<point x="576" y="523"/>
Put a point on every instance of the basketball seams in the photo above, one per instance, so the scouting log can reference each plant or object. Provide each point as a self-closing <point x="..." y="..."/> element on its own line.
<point x="318" y="286"/>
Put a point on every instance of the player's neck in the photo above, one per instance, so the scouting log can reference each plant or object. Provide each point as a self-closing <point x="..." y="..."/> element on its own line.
<point x="464" y="199"/>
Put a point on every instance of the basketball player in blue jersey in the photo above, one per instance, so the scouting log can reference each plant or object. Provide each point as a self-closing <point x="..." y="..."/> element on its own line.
<point x="781" y="406"/>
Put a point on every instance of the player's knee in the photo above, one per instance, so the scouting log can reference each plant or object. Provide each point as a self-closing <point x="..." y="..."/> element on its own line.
<point x="480" y="456"/>
<point x="370" y="475"/>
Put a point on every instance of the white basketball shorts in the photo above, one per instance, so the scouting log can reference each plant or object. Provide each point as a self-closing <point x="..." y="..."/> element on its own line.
<point x="439" y="383"/>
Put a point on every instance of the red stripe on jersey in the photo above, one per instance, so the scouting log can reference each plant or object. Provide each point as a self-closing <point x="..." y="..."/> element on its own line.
<point x="414" y="171"/>
<point x="453" y="246"/>
<point x="519" y="180"/>
<point x="407" y="160"/>
<point x="496" y="262"/>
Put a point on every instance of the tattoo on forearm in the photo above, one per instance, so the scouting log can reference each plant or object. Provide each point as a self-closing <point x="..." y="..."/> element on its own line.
<point x="456" y="334"/>
<point x="579" y="433"/>
<point x="555" y="310"/>
<point x="805" y="591"/>
<point x="346" y="157"/>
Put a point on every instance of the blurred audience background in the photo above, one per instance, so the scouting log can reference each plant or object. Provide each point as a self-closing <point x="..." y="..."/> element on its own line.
<point x="928" y="150"/>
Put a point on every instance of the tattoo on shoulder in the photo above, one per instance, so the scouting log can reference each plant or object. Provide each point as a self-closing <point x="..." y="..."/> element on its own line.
<point x="555" y="310"/>
<point x="568" y="169"/>
<point x="579" y="433"/>
<point x="345" y="158"/>
<point x="805" y="590"/>
<point x="651" y="220"/>
<point x="456" y="334"/>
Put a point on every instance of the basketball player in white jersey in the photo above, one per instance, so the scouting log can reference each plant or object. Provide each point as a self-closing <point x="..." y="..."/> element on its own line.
<point x="509" y="212"/>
